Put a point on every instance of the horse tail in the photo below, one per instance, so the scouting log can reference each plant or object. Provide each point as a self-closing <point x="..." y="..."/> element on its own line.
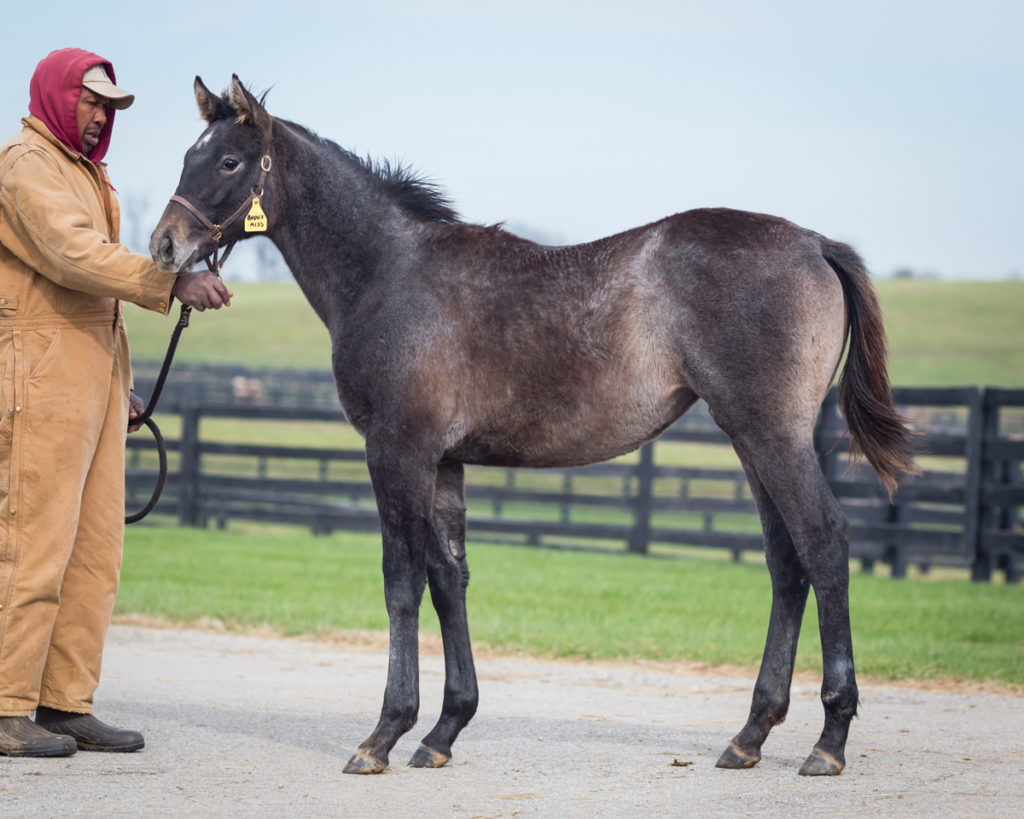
<point x="877" y="431"/>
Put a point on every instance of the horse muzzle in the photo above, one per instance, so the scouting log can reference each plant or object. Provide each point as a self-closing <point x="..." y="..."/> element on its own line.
<point x="175" y="247"/>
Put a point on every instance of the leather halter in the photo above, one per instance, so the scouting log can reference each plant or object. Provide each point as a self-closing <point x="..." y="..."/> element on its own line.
<point x="217" y="231"/>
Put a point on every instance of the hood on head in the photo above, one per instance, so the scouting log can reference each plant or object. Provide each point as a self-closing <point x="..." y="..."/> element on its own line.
<point x="53" y="96"/>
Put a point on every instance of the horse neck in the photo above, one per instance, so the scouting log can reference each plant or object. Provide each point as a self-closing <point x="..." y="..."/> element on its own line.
<point x="333" y="229"/>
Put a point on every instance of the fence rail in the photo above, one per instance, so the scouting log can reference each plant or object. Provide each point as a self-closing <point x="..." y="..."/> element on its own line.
<point x="964" y="510"/>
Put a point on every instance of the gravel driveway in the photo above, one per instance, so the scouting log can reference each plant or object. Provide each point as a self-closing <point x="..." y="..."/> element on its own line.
<point x="241" y="725"/>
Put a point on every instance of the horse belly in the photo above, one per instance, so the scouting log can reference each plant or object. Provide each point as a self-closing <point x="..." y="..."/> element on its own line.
<point x="616" y="428"/>
<point x="589" y="431"/>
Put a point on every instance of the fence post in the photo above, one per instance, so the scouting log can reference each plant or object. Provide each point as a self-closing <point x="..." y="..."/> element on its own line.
<point x="896" y="553"/>
<point x="188" y="503"/>
<point x="642" y="503"/>
<point x="975" y="514"/>
<point x="1010" y="520"/>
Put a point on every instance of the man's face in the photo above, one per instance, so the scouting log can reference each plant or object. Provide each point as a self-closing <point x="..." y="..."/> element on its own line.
<point x="92" y="116"/>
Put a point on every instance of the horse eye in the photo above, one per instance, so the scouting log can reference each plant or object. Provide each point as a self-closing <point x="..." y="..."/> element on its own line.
<point x="229" y="164"/>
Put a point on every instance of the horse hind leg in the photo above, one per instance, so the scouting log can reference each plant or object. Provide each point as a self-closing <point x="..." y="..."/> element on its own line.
<point x="770" y="702"/>
<point x="819" y="533"/>
<point x="448" y="577"/>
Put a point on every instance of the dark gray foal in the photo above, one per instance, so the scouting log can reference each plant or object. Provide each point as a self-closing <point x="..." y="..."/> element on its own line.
<point x="456" y="343"/>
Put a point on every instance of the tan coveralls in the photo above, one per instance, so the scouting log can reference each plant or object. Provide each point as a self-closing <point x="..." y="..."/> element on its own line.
<point x="64" y="384"/>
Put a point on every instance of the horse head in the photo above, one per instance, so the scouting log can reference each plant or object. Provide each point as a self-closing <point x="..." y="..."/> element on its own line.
<point x="223" y="178"/>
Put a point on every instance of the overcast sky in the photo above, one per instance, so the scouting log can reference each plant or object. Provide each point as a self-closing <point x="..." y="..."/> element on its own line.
<point x="894" y="125"/>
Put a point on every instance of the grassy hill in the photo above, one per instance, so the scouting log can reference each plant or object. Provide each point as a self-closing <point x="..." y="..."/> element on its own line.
<point x="940" y="333"/>
<point x="954" y="333"/>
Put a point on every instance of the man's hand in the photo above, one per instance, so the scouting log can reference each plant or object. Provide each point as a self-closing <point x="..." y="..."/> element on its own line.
<point x="201" y="291"/>
<point x="136" y="406"/>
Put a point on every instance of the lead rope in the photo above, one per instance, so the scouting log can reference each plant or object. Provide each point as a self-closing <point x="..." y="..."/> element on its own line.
<point x="214" y="264"/>
<point x="147" y="420"/>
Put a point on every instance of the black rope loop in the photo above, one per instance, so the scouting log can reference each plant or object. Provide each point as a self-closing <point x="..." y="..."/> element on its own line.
<point x="147" y="420"/>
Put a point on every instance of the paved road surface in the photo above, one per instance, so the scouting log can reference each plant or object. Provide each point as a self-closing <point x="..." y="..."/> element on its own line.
<point x="250" y="726"/>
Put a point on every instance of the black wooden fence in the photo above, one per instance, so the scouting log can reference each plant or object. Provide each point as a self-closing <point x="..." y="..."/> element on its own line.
<point x="683" y="491"/>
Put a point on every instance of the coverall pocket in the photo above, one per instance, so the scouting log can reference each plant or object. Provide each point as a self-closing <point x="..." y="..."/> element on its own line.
<point x="39" y="347"/>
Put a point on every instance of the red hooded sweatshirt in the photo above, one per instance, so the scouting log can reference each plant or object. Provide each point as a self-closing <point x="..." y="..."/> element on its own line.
<point x="53" y="97"/>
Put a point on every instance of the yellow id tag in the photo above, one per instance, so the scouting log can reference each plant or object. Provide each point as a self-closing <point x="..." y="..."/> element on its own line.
<point x="255" y="219"/>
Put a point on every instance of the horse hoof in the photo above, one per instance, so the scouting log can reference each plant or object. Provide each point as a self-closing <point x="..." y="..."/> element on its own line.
<point x="428" y="758"/>
<point x="362" y="763"/>
<point x="733" y="757"/>
<point x="820" y="763"/>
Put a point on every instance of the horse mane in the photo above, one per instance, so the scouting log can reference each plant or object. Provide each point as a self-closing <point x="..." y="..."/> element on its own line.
<point x="419" y="197"/>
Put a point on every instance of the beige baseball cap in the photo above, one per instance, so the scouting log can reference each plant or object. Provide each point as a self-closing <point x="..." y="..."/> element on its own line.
<point x="98" y="81"/>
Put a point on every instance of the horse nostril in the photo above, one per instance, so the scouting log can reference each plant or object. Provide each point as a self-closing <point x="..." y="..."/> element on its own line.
<point x="166" y="249"/>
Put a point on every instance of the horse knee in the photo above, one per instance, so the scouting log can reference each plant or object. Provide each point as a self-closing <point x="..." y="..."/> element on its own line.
<point x="402" y="606"/>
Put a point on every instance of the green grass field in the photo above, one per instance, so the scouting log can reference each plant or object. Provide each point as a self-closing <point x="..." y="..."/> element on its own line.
<point x="565" y="604"/>
<point x="954" y="333"/>
<point x="940" y="333"/>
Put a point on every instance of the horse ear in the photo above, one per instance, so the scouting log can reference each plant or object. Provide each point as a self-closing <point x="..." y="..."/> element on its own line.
<point x="211" y="106"/>
<point x="247" y="106"/>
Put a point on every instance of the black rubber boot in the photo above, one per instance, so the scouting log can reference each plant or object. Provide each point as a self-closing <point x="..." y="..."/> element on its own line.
<point x="19" y="736"/>
<point x="89" y="732"/>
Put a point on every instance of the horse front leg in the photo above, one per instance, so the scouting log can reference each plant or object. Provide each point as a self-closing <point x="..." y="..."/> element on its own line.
<point x="448" y="576"/>
<point x="404" y="505"/>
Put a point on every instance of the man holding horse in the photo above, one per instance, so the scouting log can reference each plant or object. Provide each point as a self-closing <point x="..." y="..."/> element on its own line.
<point x="65" y="383"/>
